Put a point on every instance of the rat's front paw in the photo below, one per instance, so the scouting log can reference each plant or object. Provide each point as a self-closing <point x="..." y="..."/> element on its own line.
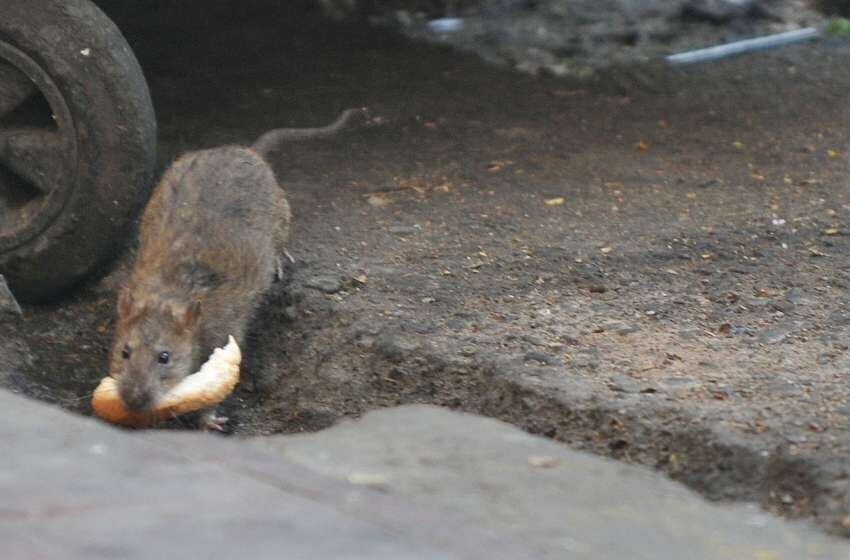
<point x="210" y="422"/>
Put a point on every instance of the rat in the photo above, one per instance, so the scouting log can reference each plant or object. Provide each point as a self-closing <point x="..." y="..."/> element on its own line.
<point x="210" y="241"/>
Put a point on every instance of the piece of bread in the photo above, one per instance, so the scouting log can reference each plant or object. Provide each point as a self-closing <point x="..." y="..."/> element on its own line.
<point x="209" y="386"/>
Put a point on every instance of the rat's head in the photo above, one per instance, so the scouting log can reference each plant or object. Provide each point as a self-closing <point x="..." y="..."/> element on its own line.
<point x="153" y="349"/>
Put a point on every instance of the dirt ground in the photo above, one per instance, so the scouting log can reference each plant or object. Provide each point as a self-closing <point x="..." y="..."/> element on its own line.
<point x="651" y="265"/>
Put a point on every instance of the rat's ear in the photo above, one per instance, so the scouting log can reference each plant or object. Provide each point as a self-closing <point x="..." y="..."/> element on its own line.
<point x="125" y="305"/>
<point x="190" y="316"/>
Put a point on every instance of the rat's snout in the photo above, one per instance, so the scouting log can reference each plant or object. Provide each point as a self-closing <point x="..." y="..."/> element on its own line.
<point x="137" y="396"/>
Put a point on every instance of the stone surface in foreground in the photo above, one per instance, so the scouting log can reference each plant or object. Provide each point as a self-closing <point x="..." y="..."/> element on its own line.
<point x="567" y="504"/>
<point x="74" y="488"/>
<point x="407" y="483"/>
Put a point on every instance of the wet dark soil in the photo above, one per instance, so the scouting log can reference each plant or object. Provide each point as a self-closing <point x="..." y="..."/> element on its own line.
<point x="651" y="265"/>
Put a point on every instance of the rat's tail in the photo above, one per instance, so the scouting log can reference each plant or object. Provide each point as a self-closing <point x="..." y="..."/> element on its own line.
<point x="270" y="140"/>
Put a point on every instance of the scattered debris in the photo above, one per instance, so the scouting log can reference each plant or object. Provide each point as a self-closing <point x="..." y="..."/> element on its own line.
<point x="734" y="330"/>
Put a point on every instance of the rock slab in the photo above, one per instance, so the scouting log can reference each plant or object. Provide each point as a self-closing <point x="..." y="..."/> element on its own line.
<point x="564" y="503"/>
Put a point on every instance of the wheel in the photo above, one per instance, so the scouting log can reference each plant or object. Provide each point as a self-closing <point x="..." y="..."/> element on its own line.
<point x="77" y="143"/>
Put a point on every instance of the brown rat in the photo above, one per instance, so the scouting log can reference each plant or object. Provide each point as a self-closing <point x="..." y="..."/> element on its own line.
<point x="210" y="239"/>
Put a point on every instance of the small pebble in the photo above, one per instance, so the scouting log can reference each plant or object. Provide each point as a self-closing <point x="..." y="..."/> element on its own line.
<point x="370" y="480"/>
<point x="774" y="335"/>
<point x="542" y="461"/>
<point x="678" y="384"/>
<point x="542" y="358"/>
<point x="623" y="384"/>
<point x="325" y="283"/>
<point x="627" y="329"/>
<point x="396" y="348"/>
<point x="404" y="230"/>
<point x="531" y="339"/>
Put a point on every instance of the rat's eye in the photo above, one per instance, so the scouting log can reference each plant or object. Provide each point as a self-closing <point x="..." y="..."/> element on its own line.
<point x="125" y="353"/>
<point x="164" y="357"/>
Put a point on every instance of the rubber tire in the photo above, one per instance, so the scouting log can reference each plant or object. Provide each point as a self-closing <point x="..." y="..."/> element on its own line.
<point x="115" y="128"/>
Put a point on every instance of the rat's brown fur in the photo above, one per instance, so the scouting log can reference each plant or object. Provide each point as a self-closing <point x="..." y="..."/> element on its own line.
<point x="209" y="242"/>
<point x="209" y="245"/>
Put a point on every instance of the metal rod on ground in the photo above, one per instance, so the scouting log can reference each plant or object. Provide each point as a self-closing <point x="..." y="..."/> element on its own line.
<point x="741" y="47"/>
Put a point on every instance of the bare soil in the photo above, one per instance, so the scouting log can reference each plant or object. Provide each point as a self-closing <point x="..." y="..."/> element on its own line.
<point x="652" y="264"/>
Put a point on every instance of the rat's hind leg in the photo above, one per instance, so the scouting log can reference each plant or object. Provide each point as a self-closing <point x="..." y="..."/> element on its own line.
<point x="281" y="232"/>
